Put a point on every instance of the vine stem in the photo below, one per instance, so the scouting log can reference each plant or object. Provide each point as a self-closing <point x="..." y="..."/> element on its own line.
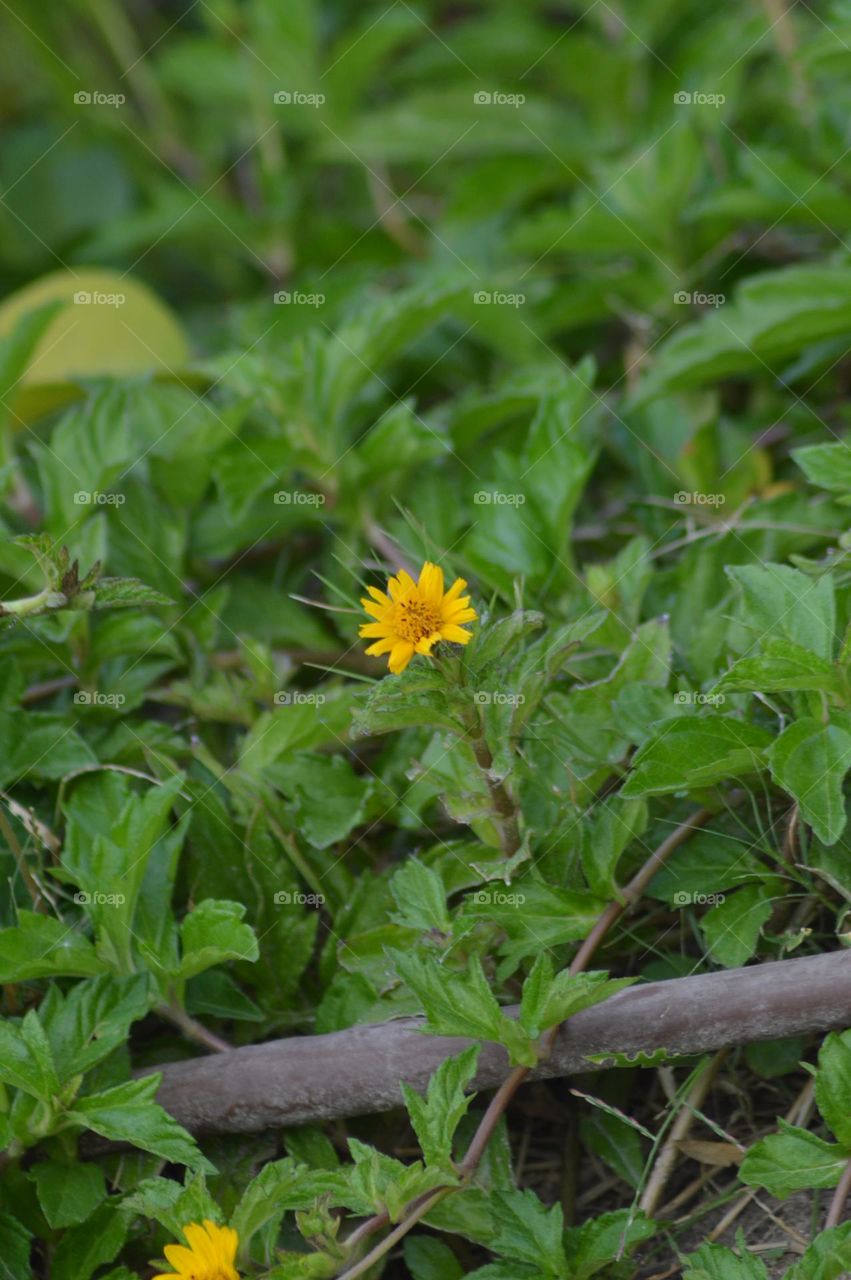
<point x="192" y="1029"/>
<point x="499" y="1102"/>
<point x="840" y="1195"/>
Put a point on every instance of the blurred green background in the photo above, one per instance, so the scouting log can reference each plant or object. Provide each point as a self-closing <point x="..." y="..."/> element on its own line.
<point x="599" y="195"/>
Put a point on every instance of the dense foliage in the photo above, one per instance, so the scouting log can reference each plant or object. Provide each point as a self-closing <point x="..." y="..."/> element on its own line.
<point x="299" y="293"/>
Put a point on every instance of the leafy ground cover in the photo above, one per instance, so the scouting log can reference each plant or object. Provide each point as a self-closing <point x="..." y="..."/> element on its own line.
<point x="301" y="298"/>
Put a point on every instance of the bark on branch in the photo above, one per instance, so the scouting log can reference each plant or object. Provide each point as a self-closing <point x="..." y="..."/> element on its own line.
<point x="357" y="1071"/>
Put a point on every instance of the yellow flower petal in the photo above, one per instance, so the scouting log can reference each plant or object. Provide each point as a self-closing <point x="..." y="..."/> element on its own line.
<point x="451" y="632"/>
<point x="181" y="1258"/>
<point x="400" y="656"/>
<point x="455" y="590"/>
<point x="431" y="582"/>
<point x="381" y="646"/>
<point x="415" y="616"/>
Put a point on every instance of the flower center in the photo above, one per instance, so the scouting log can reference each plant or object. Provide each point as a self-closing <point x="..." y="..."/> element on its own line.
<point x="415" y="620"/>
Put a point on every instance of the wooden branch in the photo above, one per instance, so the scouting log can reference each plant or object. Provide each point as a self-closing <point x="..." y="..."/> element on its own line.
<point x="357" y="1071"/>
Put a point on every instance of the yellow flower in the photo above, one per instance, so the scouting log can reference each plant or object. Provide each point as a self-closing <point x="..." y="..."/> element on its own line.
<point x="210" y="1255"/>
<point x="415" y="615"/>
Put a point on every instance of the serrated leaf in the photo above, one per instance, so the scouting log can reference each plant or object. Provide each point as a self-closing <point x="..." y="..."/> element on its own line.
<point x="68" y="1193"/>
<point x="549" y="999"/>
<point x="462" y="1004"/>
<point x="436" y="1116"/>
<point x="129" y="1113"/>
<point x="810" y="760"/>
<point x="793" y="1160"/>
<point x="528" y="1231"/>
<point x="41" y="947"/>
<point x="782" y="665"/>
<point x="125" y="593"/>
<point x="420" y="897"/>
<point x="833" y="1084"/>
<point x="694" y="752"/>
<point x="212" y="933"/>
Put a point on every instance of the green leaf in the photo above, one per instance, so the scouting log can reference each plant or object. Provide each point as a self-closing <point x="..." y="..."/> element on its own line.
<point x="616" y="1143"/>
<point x="462" y="1004"/>
<point x="417" y="697"/>
<point x="833" y="1084"/>
<point x="68" y="1193"/>
<point x="793" y="1160"/>
<point x="94" y="1018"/>
<point x="41" y="746"/>
<point x="717" y="1262"/>
<point x="25" y="1059"/>
<point x="827" y="465"/>
<point x="14" y="1249"/>
<point x="705" y="866"/>
<point x="610" y="829"/>
<point x="212" y="933"/>
<point x="828" y="1257"/>
<point x="783" y="603"/>
<point x="591" y="1247"/>
<point x="694" y="752"/>
<point x="782" y="666"/>
<point x="88" y="1246"/>
<point x="732" y="928"/>
<point x="126" y="593"/>
<point x="384" y="1183"/>
<point x="810" y="760"/>
<point x="281" y="1185"/>
<point x="430" y="1259"/>
<point x="529" y="1232"/>
<point x="42" y="947"/>
<point x="330" y="798"/>
<point x="549" y="999"/>
<point x="128" y="1113"/>
<point x="173" y="1205"/>
<point x="436" y="1116"/>
<point x="420" y="897"/>
<point x="776" y="314"/>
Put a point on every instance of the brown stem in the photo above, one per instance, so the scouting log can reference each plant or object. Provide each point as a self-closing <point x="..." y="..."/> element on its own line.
<point x="193" y="1030"/>
<point x="639" y="882"/>
<point x="669" y="1153"/>
<point x="18" y="854"/>
<point x="506" y="1091"/>
<point x="840" y="1195"/>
